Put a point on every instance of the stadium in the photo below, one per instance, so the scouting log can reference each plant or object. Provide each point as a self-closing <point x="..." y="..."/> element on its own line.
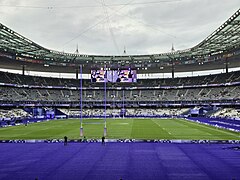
<point x="120" y="116"/>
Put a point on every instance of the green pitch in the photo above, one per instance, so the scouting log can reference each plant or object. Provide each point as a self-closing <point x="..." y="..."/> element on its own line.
<point x="118" y="129"/>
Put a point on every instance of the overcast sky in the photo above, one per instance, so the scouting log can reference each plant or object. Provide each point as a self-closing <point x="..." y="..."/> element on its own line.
<point x="105" y="27"/>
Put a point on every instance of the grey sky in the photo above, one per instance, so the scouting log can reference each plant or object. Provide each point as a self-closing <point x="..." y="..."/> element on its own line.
<point x="142" y="26"/>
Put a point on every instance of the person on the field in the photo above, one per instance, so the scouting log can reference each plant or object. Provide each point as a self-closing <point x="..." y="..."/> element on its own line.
<point x="103" y="140"/>
<point x="65" y="140"/>
<point x="84" y="139"/>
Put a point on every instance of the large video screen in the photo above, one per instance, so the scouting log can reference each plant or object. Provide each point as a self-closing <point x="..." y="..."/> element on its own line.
<point x="97" y="75"/>
<point x="125" y="75"/>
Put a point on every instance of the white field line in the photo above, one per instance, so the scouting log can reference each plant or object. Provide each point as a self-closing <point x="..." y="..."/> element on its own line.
<point x="161" y="127"/>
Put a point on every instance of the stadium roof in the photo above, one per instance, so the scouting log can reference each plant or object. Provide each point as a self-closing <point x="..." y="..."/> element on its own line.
<point x="222" y="42"/>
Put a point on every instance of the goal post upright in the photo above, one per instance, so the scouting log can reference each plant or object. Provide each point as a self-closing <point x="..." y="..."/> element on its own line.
<point x="123" y="110"/>
<point x="105" y="102"/>
<point x="81" y="126"/>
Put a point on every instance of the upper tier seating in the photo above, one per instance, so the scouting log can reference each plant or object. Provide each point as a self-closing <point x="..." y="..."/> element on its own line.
<point x="46" y="81"/>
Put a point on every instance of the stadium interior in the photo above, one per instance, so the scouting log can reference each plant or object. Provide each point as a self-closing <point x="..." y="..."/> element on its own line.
<point x="212" y="100"/>
<point x="114" y="89"/>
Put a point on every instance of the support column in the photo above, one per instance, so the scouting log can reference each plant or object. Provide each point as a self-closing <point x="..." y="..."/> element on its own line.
<point x="226" y="62"/>
<point x="77" y="71"/>
<point x="172" y="69"/>
<point x="172" y="50"/>
<point x="23" y="69"/>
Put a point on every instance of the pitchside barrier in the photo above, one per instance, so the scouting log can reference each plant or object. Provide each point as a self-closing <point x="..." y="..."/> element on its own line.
<point x="126" y="141"/>
<point x="223" y="123"/>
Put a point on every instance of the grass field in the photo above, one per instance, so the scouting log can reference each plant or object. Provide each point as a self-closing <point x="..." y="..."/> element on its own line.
<point x="118" y="129"/>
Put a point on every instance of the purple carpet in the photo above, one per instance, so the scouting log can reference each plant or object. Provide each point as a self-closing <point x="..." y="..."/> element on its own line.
<point x="53" y="161"/>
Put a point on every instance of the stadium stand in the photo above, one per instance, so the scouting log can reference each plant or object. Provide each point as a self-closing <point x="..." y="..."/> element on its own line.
<point x="67" y="95"/>
<point x="153" y="97"/>
<point x="227" y="113"/>
<point x="166" y="112"/>
<point x="130" y="112"/>
<point x="10" y="114"/>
